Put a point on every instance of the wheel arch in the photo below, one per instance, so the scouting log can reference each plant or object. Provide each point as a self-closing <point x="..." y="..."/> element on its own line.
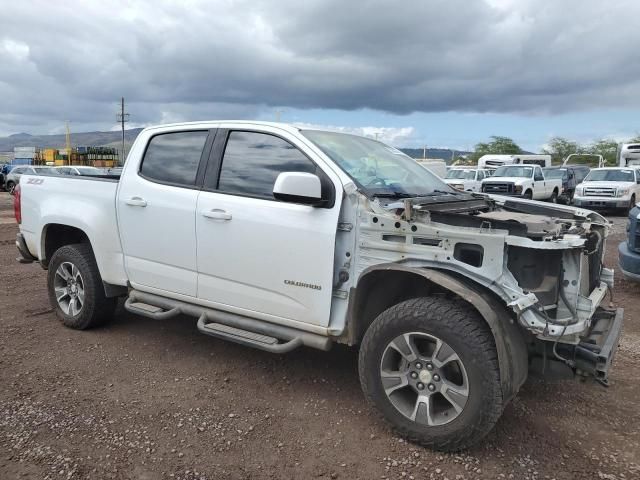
<point x="383" y="286"/>
<point x="57" y="235"/>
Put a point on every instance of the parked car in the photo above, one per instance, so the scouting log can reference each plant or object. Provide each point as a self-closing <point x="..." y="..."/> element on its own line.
<point x="571" y="176"/>
<point x="466" y="179"/>
<point x="13" y="178"/>
<point x="527" y="181"/>
<point x="81" y="170"/>
<point x="609" y="187"/>
<point x="277" y="237"/>
<point x="629" y="250"/>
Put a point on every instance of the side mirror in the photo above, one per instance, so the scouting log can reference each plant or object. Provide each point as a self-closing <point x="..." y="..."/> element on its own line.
<point x="299" y="187"/>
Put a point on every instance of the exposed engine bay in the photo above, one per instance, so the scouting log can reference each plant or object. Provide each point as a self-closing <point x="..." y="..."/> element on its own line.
<point x="543" y="261"/>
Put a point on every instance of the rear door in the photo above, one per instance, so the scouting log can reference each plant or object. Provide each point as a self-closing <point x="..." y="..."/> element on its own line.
<point x="258" y="256"/>
<point x="156" y="212"/>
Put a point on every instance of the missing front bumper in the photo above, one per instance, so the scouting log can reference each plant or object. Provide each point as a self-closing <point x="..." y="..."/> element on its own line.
<point x="595" y="353"/>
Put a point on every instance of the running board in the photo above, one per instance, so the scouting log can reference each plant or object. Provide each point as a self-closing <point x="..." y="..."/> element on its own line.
<point x="229" y="326"/>
<point x="244" y="337"/>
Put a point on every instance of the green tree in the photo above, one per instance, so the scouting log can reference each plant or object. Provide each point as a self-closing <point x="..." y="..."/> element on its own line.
<point x="497" y="145"/>
<point x="559" y="148"/>
<point x="605" y="147"/>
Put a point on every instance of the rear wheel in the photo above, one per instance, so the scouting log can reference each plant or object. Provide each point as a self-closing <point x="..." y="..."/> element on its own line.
<point x="430" y="367"/>
<point x="76" y="290"/>
<point x="554" y="197"/>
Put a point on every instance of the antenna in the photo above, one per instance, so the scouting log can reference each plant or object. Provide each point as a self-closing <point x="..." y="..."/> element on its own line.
<point x="122" y="117"/>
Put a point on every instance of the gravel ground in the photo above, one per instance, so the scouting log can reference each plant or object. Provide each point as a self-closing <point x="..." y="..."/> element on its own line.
<point x="143" y="399"/>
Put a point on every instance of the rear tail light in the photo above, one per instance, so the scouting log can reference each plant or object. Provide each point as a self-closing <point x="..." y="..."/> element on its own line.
<point x="17" y="208"/>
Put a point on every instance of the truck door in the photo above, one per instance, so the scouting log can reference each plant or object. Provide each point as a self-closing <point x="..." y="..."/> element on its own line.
<point x="156" y="212"/>
<point x="258" y="256"/>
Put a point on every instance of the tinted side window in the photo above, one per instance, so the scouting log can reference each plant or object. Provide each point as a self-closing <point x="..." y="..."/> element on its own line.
<point x="538" y="174"/>
<point x="252" y="161"/>
<point x="174" y="157"/>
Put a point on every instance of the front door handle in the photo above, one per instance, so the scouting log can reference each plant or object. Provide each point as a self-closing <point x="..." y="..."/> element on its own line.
<point x="136" y="202"/>
<point x="217" y="214"/>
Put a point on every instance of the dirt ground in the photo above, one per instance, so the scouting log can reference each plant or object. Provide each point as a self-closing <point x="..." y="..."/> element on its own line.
<point x="142" y="399"/>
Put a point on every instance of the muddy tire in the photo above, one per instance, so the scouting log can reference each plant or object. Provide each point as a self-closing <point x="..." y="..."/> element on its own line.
<point x="75" y="288"/>
<point x="429" y="365"/>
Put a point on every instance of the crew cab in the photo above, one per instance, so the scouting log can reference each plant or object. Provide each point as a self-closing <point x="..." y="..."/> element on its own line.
<point x="277" y="237"/>
<point x="525" y="181"/>
<point x="609" y="188"/>
<point x="466" y="179"/>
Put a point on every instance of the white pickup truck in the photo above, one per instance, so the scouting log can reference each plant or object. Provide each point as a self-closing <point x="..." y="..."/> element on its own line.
<point x="277" y="237"/>
<point x="609" y="187"/>
<point x="526" y="181"/>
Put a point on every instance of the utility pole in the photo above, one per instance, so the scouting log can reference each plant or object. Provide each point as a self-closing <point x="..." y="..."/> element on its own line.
<point x="424" y="152"/>
<point x="122" y="117"/>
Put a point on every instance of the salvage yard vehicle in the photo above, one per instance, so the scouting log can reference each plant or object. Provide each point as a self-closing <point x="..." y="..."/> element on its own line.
<point x="571" y="176"/>
<point x="13" y="177"/>
<point x="524" y="181"/>
<point x="629" y="250"/>
<point x="277" y="237"/>
<point x="609" y="188"/>
<point x="466" y="179"/>
<point x="492" y="161"/>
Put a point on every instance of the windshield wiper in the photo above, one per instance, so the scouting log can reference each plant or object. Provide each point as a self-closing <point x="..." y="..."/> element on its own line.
<point x="394" y="195"/>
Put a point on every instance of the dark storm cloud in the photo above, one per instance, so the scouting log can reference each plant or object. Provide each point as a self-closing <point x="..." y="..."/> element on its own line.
<point x="231" y="58"/>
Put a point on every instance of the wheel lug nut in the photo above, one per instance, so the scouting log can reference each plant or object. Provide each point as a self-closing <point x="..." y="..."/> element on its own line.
<point x="418" y="365"/>
<point x="436" y="377"/>
<point x="429" y="366"/>
<point x="414" y="375"/>
<point x="431" y="387"/>
<point x="420" y="386"/>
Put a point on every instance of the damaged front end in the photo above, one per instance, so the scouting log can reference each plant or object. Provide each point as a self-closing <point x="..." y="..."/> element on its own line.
<point x="545" y="262"/>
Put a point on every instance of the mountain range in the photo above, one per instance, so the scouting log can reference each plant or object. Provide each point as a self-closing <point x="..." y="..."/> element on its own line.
<point x="114" y="139"/>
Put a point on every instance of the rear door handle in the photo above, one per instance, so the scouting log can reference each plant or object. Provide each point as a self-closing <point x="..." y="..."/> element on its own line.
<point x="217" y="214"/>
<point x="136" y="202"/>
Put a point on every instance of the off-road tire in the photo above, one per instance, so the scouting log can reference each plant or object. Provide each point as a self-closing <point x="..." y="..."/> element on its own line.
<point x="455" y="323"/>
<point x="97" y="309"/>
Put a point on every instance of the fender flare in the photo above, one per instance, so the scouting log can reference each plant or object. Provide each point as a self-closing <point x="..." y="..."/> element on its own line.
<point x="513" y="359"/>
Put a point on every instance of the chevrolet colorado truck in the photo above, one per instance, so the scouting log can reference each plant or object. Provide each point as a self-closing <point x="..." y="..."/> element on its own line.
<point x="277" y="237"/>
<point x="526" y="181"/>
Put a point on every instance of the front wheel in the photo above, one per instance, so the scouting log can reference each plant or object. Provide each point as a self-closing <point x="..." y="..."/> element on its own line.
<point x="9" y="186"/>
<point x="632" y="203"/>
<point x="430" y="367"/>
<point x="528" y="195"/>
<point x="75" y="288"/>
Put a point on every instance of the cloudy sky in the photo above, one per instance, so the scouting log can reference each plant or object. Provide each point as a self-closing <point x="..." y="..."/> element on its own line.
<point x="436" y="72"/>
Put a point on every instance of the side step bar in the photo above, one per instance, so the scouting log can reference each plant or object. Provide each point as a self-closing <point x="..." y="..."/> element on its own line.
<point x="229" y="326"/>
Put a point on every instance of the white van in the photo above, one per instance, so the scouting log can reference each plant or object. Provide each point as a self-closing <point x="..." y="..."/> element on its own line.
<point x="494" y="161"/>
<point x="629" y="155"/>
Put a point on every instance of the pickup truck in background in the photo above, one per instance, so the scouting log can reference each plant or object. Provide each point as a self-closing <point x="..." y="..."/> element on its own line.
<point x="571" y="176"/>
<point x="629" y="250"/>
<point x="609" y="188"/>
<point x="277" y="237"/>
<point x="466" y="179"/>
<point x="526" y="181"/>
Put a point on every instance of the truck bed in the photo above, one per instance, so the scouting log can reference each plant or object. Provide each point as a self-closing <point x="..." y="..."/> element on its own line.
<point x="83" y="202"/>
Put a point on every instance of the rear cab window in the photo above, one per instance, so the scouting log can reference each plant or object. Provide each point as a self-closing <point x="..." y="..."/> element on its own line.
<point x="174" y="158"/>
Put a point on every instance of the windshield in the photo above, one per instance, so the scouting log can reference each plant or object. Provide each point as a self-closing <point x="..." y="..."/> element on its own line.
<point x="513" y="171"/>
<point x="378" y="169"/>
<point x="610" y="176"/>
<point x="462" y="174"/>
<point x="555" y="173"/>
